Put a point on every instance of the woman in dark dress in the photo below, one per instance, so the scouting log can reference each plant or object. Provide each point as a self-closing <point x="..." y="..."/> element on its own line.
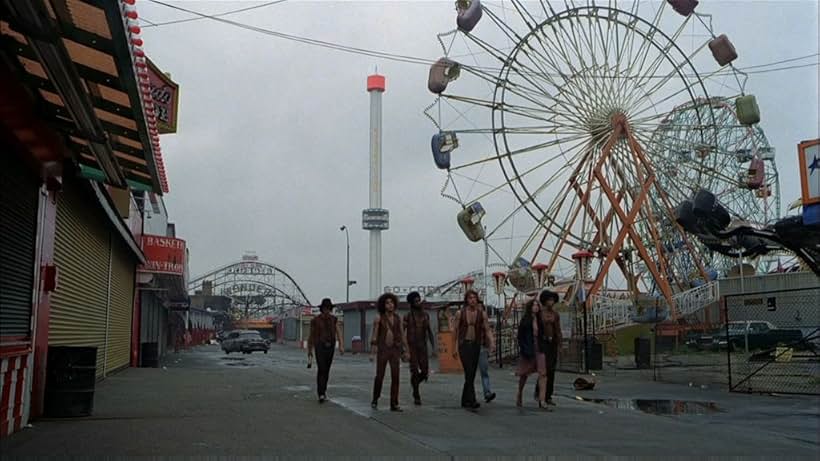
<point x="531" y="356"/>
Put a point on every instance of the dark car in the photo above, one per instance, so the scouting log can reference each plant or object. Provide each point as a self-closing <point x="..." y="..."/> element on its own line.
<point x="245" y="341"/>
<point x="759" y="335"/>
<point x="704" y="341"/>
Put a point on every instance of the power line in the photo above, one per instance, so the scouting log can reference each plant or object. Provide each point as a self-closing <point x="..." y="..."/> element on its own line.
<point x="798" y="58"/>
<point x="799" y="66"/>
<point x="309" y="41"/>
<point x="147" y="21"/>
<point x="199" y="18"/>
<point x="406" y="58"/>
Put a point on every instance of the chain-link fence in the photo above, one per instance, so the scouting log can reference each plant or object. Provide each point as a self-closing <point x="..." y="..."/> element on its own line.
<point x="507" y="338"/>
<point x="772" y="341"/>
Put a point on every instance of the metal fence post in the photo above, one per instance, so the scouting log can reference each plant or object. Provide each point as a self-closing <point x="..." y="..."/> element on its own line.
<point x="498" y="345"/>
<point x="728" y="348"/>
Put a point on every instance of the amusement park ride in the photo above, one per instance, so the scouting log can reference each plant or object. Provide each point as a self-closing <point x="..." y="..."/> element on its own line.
<point x="601" y="119"/>
<point x="257" y="289"/>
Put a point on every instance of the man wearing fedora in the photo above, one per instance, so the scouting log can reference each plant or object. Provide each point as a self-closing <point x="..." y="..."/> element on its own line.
<point x="324" y="332"/>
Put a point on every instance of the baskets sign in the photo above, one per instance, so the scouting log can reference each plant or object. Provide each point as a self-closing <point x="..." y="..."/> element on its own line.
<point x="163" y="255"/>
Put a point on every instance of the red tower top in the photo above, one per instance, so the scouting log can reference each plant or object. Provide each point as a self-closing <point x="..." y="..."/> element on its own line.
<point x="375" y="82"/>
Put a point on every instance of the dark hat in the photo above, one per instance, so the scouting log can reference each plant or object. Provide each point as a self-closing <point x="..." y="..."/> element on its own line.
<point x="547" y="295"/>
<point x="326" y="304"/>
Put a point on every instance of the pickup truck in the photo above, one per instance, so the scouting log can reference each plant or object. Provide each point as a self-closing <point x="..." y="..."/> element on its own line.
<point x="761" y="335"/>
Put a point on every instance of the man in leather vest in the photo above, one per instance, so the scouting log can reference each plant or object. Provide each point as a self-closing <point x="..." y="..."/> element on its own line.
<point x="418" y="331"/>
<point x="324" y="331"/>
<point x="553" y="339"/>
<point x="388" y="345"/>
<point x="471" y="331"/>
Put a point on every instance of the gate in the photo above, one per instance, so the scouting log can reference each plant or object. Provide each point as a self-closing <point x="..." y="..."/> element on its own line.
<point x="772" y="341"/>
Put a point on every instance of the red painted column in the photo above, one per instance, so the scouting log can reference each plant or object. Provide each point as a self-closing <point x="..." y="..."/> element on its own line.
<point x="43" y="308"/>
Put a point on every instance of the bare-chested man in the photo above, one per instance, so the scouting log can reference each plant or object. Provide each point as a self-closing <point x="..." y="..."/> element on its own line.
<point x="471" y="331"/>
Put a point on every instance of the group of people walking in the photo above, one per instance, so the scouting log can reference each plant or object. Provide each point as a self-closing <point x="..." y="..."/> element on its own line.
<point x="394" y="339"/>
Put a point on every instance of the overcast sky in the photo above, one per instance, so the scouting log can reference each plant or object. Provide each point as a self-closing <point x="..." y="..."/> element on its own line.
<point x="272" y="150"/>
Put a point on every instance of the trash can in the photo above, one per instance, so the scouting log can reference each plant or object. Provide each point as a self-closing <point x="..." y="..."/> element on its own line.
<point x="149" y="355"/>
<point x="595" y="354"/>
<point x="70" y="381"/>
<point x="356" y="345"/>
<point x="643" y="352"/>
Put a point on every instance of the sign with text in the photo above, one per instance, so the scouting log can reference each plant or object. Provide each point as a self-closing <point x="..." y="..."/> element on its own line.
<point x="375" y="219"/>
<point x="165" y="94"/>
<point x="809" y="159"/>
<point x="163" y="255"/>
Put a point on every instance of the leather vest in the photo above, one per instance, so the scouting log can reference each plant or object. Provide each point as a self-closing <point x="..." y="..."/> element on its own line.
<point x="396" y="328"/>
<point x="479" y="326"/>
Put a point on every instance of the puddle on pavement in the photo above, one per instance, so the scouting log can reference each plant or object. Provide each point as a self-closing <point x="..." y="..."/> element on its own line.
<point x="356" y="406"/>
<point x="297" y="388"/>
<point x="343" y="386"/>
<point x="240" y="364"/>
<point x="658" y="406"/>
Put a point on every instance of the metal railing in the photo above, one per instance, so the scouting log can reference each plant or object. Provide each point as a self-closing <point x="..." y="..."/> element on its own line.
<point x="693" y="300"/>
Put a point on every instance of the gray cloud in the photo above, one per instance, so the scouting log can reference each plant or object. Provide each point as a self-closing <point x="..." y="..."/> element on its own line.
<point x="272" y="149"/>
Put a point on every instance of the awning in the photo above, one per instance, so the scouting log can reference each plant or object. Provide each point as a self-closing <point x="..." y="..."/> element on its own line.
<point x="82" y="62"/>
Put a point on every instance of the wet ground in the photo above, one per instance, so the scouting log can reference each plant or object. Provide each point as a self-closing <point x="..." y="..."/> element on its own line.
<point x="204" y="402"/>
<point x="657" y="406"/>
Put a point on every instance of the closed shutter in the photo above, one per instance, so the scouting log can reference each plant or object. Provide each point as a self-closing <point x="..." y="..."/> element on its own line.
<point x="123" y="265"/>
<point x="19" y="198"/>
<point x="82" y="251"/>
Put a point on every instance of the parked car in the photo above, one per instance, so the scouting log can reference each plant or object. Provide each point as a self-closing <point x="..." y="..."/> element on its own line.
<point x="220" y="335"/>
<point x="760" y="334"/>
<point x="701" y="341"/>
<point x="245" y="341"/>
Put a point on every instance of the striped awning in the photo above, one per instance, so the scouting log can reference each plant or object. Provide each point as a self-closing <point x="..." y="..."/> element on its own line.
<point x="83" y="63"/>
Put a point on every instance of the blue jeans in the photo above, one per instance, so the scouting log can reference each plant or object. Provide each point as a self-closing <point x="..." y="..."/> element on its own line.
<point x="483" y="366"/>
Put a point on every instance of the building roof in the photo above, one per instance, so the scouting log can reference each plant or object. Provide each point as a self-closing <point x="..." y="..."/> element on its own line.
<point x="368" y="305"/>
<point x="82" y="62"/>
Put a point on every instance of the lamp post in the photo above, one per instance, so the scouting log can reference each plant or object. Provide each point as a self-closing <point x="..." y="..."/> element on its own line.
<point x="347" y="274"/>
<point x="582" y="259"/>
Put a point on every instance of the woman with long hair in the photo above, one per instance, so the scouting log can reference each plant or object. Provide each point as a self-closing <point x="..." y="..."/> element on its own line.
<point x="388" y="344"/>
<point x="531" y="356"/>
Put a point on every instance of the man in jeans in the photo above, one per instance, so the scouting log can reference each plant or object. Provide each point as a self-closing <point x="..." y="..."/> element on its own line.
<point x="470" y="332"/>
<point x="484" y="368"/>
<point x="324" y="331"/>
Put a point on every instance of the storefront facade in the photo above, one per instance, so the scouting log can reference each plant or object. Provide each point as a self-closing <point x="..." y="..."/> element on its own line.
<point x="78" y="145"/>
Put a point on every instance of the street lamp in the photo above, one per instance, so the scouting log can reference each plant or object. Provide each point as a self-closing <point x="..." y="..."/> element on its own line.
<point x="347" y="276"/>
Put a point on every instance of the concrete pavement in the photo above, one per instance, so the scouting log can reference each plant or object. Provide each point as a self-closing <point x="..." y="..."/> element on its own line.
<point x="207" y="403"/>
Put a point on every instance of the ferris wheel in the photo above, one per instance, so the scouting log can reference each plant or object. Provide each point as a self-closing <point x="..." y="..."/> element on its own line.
<point x="560" y="131"/>
<point x="752" y="195"/>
